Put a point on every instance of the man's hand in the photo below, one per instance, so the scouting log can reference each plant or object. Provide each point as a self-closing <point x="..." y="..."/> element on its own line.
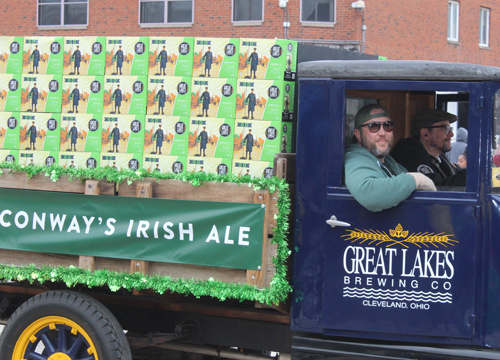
<point x="423" y="182"/>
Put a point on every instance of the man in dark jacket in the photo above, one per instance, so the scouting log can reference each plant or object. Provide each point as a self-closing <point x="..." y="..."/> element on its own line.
<point x="208" y="58"/>
<point x="34" y="97"/>
<point x="425" y="151"/>
<point x="75" y="95"/>
<point x="73" y="133"/>
<point x="251" y="100"/>
<point x="77" y="58"/>
<point x="203" y="139"/>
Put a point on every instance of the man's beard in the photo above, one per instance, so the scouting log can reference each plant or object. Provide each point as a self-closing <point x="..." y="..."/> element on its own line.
<point x="372" y="148"/>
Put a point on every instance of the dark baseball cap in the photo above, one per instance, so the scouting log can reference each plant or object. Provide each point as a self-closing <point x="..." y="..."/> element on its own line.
<point x="363" y="114"/>
<point x="429" y="117"/>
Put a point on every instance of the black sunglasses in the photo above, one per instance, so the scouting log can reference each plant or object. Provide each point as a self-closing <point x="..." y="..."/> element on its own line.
<point x="447" y="128"/>
<point x="375" y="126"/>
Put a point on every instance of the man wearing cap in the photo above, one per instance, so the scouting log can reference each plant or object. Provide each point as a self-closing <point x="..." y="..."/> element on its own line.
<point x="425" y="151"/>
<point x="373" y="177"/>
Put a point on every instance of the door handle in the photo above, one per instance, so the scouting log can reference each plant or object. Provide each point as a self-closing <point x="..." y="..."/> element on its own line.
<point x="334" y="222"/>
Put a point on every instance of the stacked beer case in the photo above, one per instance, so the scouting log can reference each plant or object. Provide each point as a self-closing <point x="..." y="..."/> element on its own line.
<point x="169" y="104"/>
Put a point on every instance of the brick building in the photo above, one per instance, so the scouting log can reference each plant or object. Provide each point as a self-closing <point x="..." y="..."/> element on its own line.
<point x="442" y="30"/>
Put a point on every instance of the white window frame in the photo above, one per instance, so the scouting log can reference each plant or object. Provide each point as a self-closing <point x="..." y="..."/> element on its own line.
<point x="484" y="23"/>
<point x="246" y="22"/>
<point x="320" y="23"/>
<point x="453" y="26"/>
<point x="61" y="25"/>
<point x="165" y="23"/>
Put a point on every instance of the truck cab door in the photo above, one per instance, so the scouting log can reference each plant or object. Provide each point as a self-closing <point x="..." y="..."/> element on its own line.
<point x="409" y="270"/>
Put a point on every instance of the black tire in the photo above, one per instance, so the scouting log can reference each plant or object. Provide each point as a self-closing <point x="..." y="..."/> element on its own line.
<point x="75" y="324"/>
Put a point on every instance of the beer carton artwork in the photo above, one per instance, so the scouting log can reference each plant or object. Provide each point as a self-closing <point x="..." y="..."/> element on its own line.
<point x="11" y="54"/>
<point x="251" y="168"/>
<point x="122" y="134"/>
<point x="216" y="57"/>
<point x="216" y="166"/>
<point x="82" y="94"/>
<point x="11" y="156"/>
<point x="84" y="55"/>
<point x="127" y="55"/>
<point x="131" y="161"/>
<point x="38" y="158"/>
<point x="286" y="136"/>
<point x="125" y="95"/>
<point x="270" y="59"/>
<point x="211" y="137"/>
<point x="41" y="93"/>
<point x="81" y="132"/>
<point x="169" y="95"/>
<point x="264" y="99"/>
<point x="256" y="139"/>
<point x="164" y="163"/>
<point x="170" y="56"/>
<point x="43" y="55"/>
<point x="9" y="130"/>
<point x="79" y="160"/>
<point x="167" y="135"/>
<point x="40" y="131"/>
<point x="213" y="97"/>
<point x="10" y="92"/>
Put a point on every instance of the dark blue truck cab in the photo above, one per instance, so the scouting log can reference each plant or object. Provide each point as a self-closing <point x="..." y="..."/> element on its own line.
<point x="419" y="280"/>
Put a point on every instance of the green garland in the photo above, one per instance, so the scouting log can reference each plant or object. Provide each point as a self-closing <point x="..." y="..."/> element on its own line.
<point x="277" y="291"/>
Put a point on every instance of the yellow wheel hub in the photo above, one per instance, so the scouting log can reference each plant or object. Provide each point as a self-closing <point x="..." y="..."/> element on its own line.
<point x="29" y="336"/>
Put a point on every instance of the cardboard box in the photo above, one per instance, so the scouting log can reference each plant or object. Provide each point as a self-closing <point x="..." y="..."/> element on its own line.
<point x="40" y="131"/>
<point x="170" y="56"/>
<point x="211" y="137"/>
<point x="215" y="166"/>
<point x="79" y="160"/>
<point x="12" y="54"/>
<point x="7" y="155"/>
<point x="38" y="158"/>
<point x="121" y="161"/>
<point x="216" y="57"/>
<point x="125" y="95"/>
<point x="10" y="92"/>
<point x="83" y="94"/>
<point x="81" y="132"/>
<point x="270" y="59"/>
<point x="165" y="164"/>
<point x="213" y="97"/>
<point x="256" y="139"/>
<point x="127" y="55"/>
<point x="252" y="168"/>
<point x="287" y="137"/>
<point x="167" y="135"/>
<point x="264" y="99"/>
<point x="10" y="126"/>
<point x="43" y="55"/>
<point x="84" y="55"/>
<point x="175" y="99"/>
<point x="123" y="133"/>
<point x="41" y="93"/>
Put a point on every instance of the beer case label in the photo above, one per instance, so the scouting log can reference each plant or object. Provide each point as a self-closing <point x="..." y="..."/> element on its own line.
<point x="10" y="92"/>
<point x="165" y="163"/>
<point x="81" y="132"/>
<point x="213" y="97"/>
<point x="84" y="55"/>
<point x="127" y="55"/>
<point x="256" y="139"/>
<point x="79" y="160"/>
<point x="166" y="135"/>
<point x="252" y="168"/>
<point x="11" y="54"/>
<point x="9" y="130"/>
<point x="171" y="56"/>
<point x="40" y="131"/>
<point x="7" y="155"/>
<point x="125" y="95"/>
<point x="119" y="161"/>
<point x="169" y="95"/>
<point x="216" y="57"/>
<point x="122" y="134"/>
<point x="43" y="55"/>
<point x="216" y="166"/>
<point x="38" y="157"/>
<point x="211" y="137"/>
<point x="41" y="93"/>
<point x="83" y="94"/>
<point x="286" y="136"/>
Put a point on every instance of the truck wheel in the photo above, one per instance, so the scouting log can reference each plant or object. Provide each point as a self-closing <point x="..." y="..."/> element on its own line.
<point x="63" y="325"/>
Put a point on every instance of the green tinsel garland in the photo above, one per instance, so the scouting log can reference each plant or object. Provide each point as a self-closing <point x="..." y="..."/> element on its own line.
<point x="277" y="291"/>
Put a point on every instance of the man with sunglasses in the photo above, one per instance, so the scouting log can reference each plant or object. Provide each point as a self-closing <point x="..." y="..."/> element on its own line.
<point x="425" y="151"/>
<point x="373" y="177"/>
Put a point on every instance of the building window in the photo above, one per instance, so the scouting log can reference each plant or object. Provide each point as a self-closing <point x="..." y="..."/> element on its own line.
<point x="165" y="11"/>
<point x="453" y="20"/>
<point x="62" y="12"/>
<point x="484" y="27"/>
<point x="248" y="10"/>
<point x="317" y="11"/>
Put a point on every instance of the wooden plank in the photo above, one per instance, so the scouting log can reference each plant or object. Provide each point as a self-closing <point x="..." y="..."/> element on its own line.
<point x="289" y="171"/>
<point x="86" y="262"/>
<point x="12" y="180"/>
<point x="23" y="258"/>
<point x="143" y="190"/>
<point x="259" y="277"/>
<point x="92" y="187"/>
